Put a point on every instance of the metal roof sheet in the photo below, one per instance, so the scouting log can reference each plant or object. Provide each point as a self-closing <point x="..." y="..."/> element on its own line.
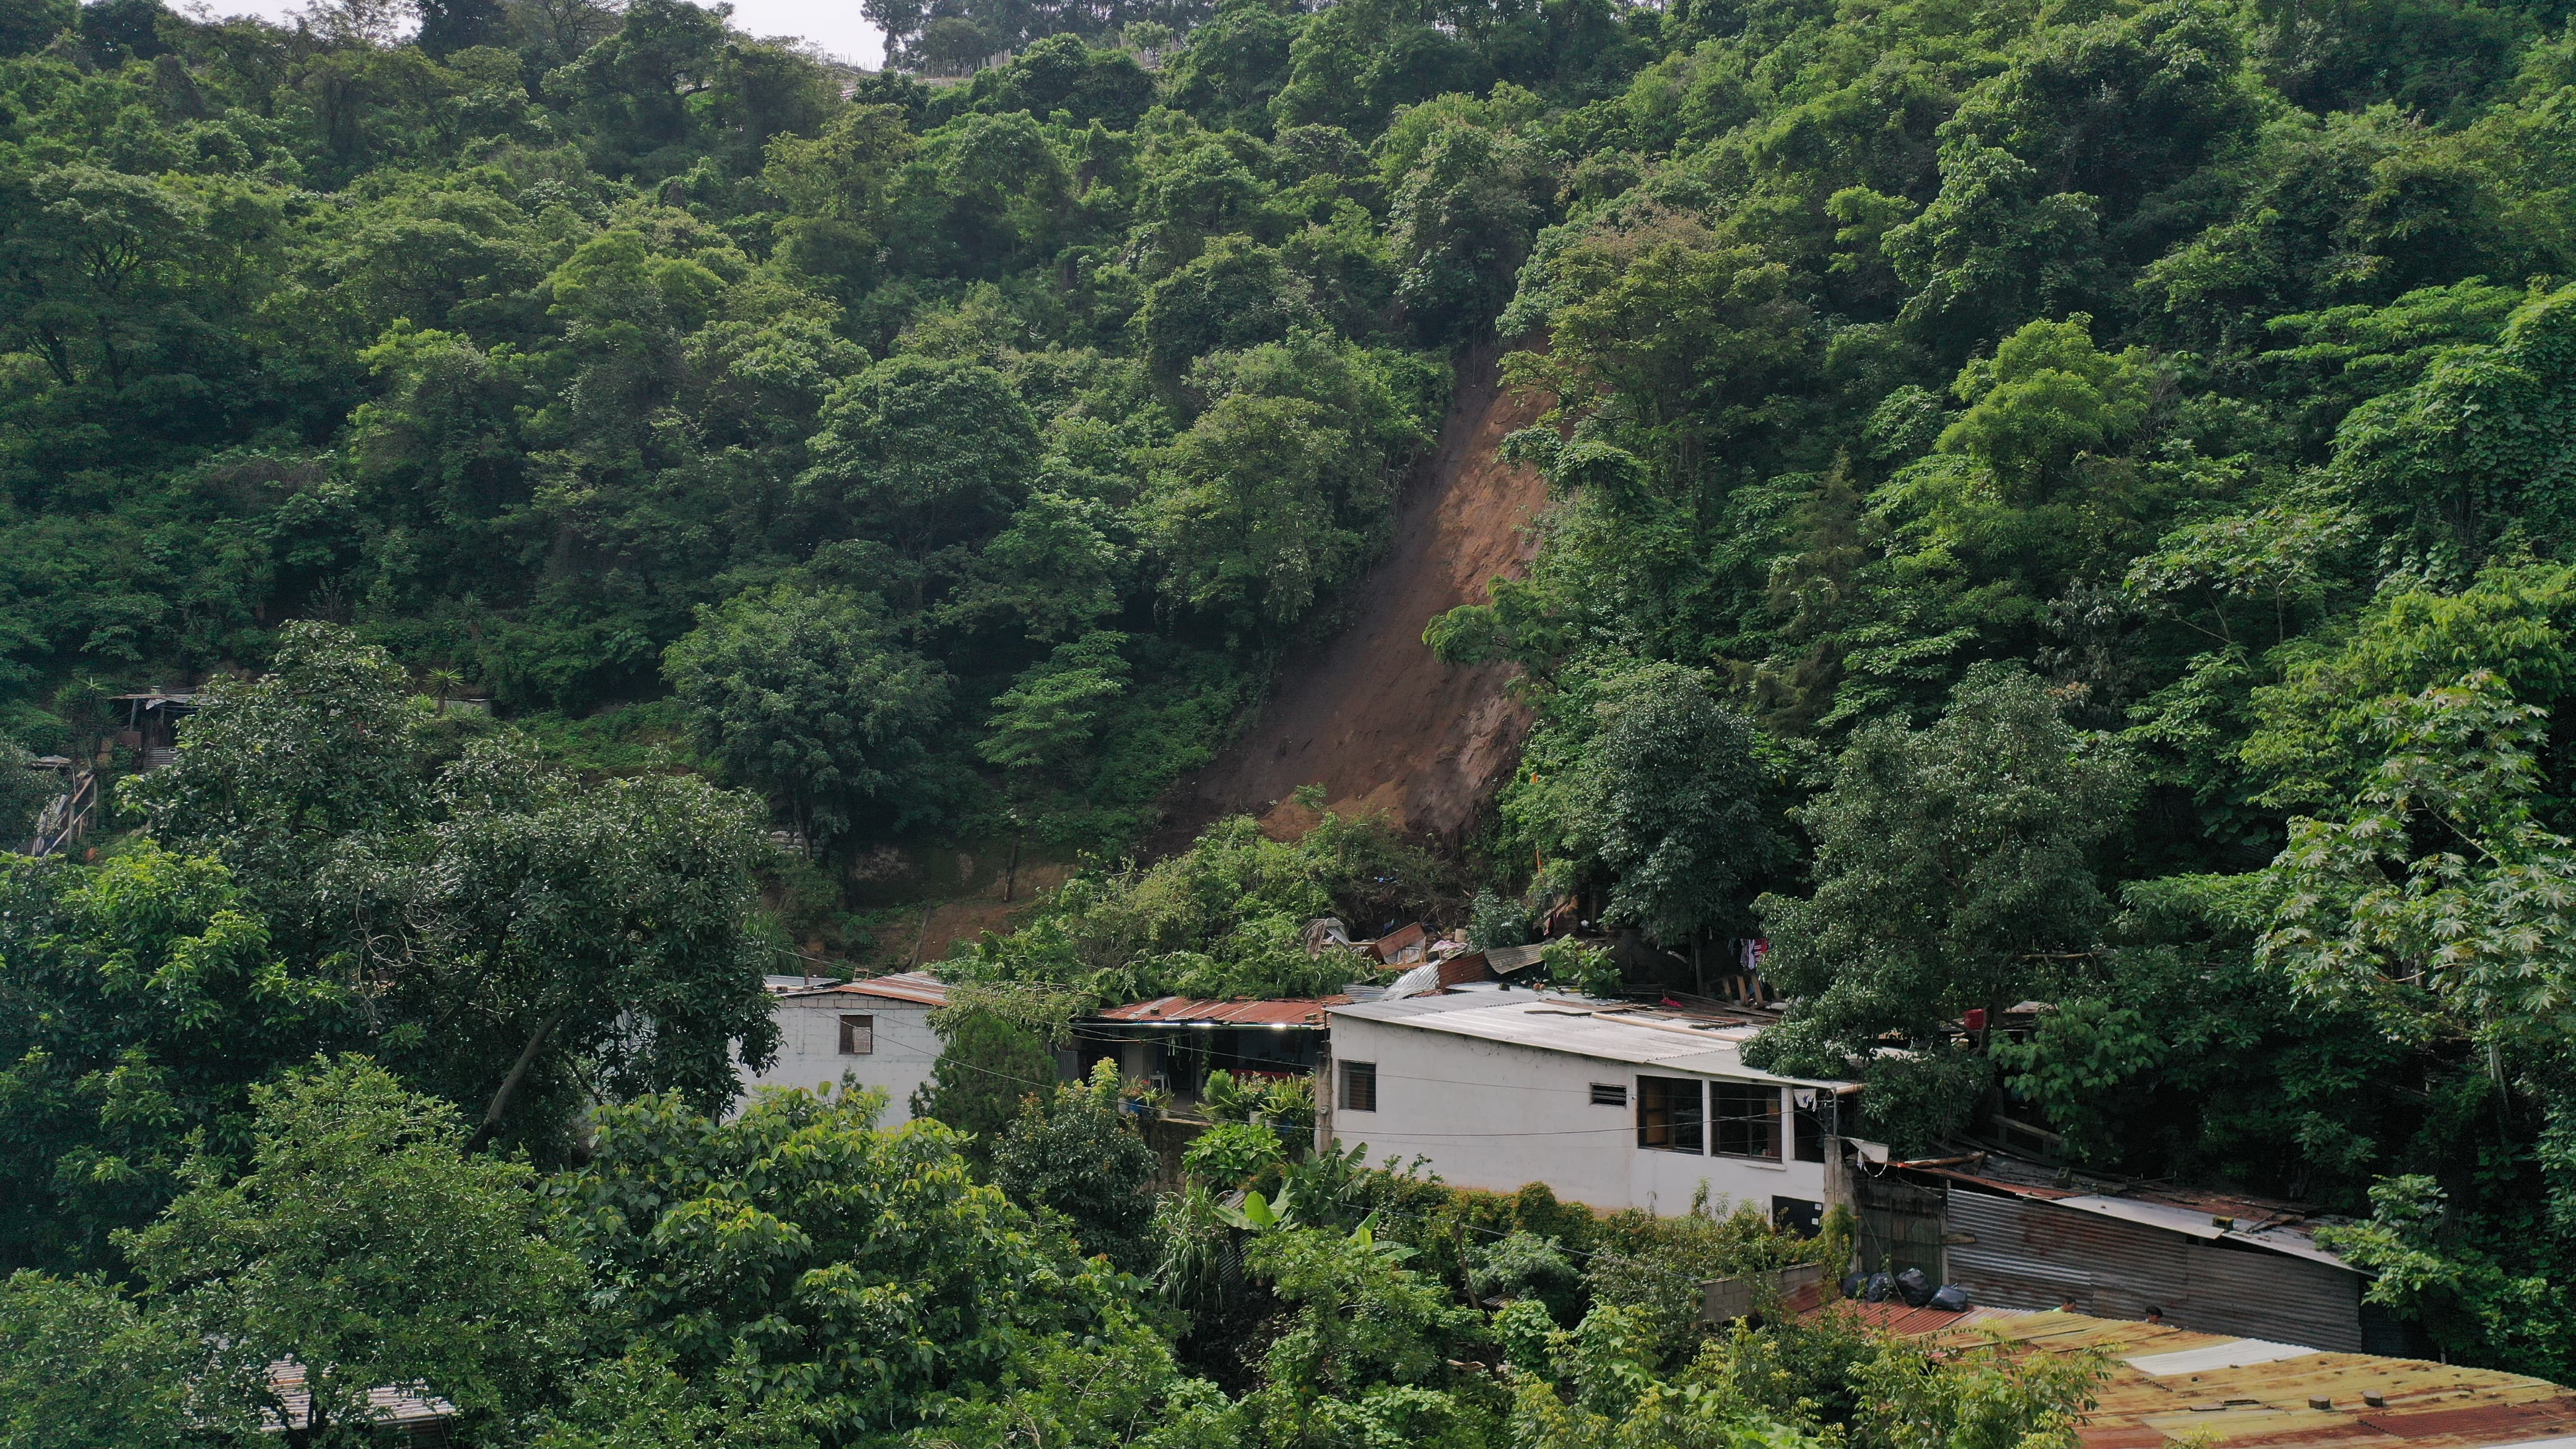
<point x="2233" y="1353"/>
<point x="917" y="987"/>
<point x="1580" y="1027"/>
<point x="2253" y="1405"/>
<point x="398" y="1407"/>
<point x="1199" y="1011"/>
<point x="2282" y="1227"/>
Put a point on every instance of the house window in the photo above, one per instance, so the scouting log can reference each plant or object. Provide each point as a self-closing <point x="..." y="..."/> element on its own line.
<point x="1668" y="1115"/>
<point x="858" y="1036"/>
<point x="1359" y="1087"/>
<point x="1812" y="1123"/>
<point x="1747" y="1118"/>
<point x="1609" y="1094"/>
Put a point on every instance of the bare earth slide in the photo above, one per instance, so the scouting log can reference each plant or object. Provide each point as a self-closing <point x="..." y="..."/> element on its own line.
<point x="1369" y="714"/>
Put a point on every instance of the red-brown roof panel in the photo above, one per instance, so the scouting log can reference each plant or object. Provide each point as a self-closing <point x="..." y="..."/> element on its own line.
<point x="1197" y="1011"/>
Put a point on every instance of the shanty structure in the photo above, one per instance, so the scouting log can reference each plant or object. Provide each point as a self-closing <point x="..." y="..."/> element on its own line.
<point x="1611" y="1104"/>
<point x="148" y="724"/>
<point x="2019" y="1235"/>
<point x="1174" y="1042"/>
<point x="2174" y="1386"/>
<point x="875" y="1031"/>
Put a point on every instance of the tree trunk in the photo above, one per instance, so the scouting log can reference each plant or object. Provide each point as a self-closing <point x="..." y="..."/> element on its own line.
<point x="500" y="1104"/>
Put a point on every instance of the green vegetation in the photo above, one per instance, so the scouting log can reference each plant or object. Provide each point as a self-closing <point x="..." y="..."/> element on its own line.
<point x="2049" y="504"/>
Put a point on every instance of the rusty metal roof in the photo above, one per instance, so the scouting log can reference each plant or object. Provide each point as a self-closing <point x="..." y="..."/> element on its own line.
<point x="1894" y="1317"/>
<point x="1198" y="1011"/>
<point x="2283" y="1227"/>
<point x="2274" y="1404"/>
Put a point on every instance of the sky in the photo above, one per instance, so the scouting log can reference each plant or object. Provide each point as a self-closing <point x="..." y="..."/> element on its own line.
<point x="832" y="24"/>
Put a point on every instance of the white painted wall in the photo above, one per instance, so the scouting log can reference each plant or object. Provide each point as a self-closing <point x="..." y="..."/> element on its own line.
<point x="1496" y="1116"/>
<point x="809" y="1049"/>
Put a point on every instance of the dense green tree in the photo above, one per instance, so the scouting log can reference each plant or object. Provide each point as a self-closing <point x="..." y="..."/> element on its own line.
<point x="1460" y="219"/>
<point x="1663" y="799"/>
<point x="990" y="1063"/>
<point x="80" y="1365"/>
<point x="807" y="693"/>
<point x="278" y="770"/>
<point x="1075" y="1152"/>
<point x="923" y="454"/>
<point x="889" y="1281"/>
<point x="144" y="998"/>
<point x="27" y="24"/>
<point x="1955" y="866"/>
<point x="578" y="943"/>
<point x="365" y="1244"/>
<point x="1044" y="721"/>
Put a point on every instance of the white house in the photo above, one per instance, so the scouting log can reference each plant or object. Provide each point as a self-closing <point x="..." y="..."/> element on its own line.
<point x="1613" y="1105"/>
<point x="877" y="1031"/>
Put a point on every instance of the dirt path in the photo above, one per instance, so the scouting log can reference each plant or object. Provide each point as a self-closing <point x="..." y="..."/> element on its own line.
<point x="1370" y="714"/>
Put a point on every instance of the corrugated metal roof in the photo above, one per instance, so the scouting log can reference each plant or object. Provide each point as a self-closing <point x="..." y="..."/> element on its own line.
<point x="1894" y="1317"/>
<point x="2270" y="1404"/>
<point x="1581" y="1027"/>
<point x="2283" y="1227"/>
<point x="2232" y="1353"/>
<point x="1197" y="1011"/>
<point x="918" y="987"/>
<point x="2028" y="1252"/>
<point x="390" y="1406"/>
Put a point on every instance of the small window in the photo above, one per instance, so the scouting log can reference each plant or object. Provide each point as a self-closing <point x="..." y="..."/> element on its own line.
<point x="858" y="1036"/>
<point x="1359" y="1087"/>
<point x="1747" y="1118"/>
<point x="1669" y="1115"/>
<point x="1609" y="1094"/>
<point x="1812" y="1122"/>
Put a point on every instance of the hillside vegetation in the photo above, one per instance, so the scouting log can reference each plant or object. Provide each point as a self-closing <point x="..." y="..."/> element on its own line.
<point x="2063" y="504"/>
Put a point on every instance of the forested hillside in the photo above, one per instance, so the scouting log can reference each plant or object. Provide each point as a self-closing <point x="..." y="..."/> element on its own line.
<point x="2067" y="505"/>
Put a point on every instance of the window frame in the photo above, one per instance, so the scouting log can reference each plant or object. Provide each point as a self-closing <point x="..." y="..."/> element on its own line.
<point x="1661" y="1112"/>
<point x="1808" y="1124"/>
<point x="1346" y="1076"/>
<point x="1749" y="1126"/>
<point x="858" y="1034"/>
<point x="1609" y="1094"/>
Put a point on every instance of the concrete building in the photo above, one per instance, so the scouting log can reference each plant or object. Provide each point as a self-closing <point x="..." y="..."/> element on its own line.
<point x="1610" y="1104"/>
<point x="876" y="1031"/>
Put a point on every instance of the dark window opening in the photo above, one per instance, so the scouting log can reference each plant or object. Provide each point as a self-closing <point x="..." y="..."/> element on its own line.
<point x="1747" y="1118"/>
<point x="1359" y="1087"/>
<point x="1798" y="1215"/>
<point x="858" y="1036"/>
<point x="1669" y="1115"/>
<point x="1814" y="1121"/>
<point x="1609" y="1094"/>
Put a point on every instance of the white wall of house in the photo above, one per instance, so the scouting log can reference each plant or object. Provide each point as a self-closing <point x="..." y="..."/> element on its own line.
<point x="903" y="1048"/>
<point x="1496" y="1115"/>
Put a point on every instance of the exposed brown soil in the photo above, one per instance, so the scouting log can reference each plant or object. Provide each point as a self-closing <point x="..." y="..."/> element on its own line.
<point x="1369" y="713"/>
<point x="929" y="930"/>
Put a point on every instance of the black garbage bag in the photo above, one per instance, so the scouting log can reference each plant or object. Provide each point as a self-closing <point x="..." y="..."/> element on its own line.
<point x="1880" y="1288"/>
<point x="1914" y="1287"/>
<point x="1855" y="1283"/>
<point x="1951" y="1299"/>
